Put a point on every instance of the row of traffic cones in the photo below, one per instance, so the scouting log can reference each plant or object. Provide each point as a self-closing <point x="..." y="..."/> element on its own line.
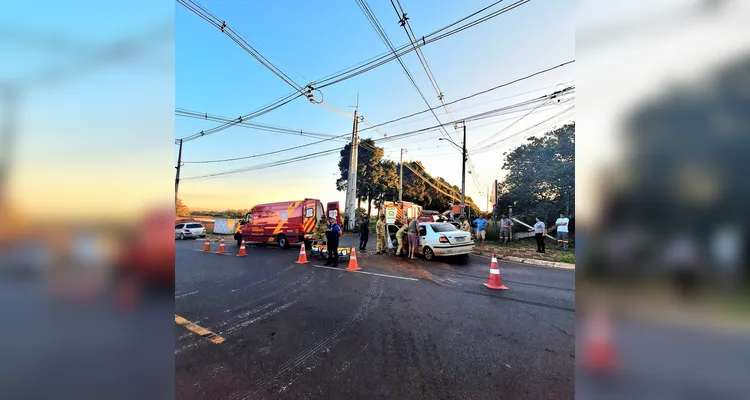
<point x="222" y="249"/>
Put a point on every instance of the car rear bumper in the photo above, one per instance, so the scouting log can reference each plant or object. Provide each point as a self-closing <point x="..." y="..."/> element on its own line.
<point x="452" y="250"/>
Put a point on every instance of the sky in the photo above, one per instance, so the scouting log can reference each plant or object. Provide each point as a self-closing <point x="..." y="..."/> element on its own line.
<point x="309" y="41"/>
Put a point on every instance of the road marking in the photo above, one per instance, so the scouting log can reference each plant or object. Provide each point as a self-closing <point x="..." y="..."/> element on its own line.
<point x="186" y="294"/>
<point x="198" y="330"/>
<point x="368" y="273"/>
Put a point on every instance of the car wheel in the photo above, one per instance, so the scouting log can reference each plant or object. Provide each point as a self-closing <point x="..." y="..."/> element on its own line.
<point x="182" y="236"/>
<point x="429" y="255"/>
<point x="283" y="242"/>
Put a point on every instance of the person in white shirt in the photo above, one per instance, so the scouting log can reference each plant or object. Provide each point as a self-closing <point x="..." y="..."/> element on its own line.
<point x="562" y="232"/>
<point x="539" y="232"/>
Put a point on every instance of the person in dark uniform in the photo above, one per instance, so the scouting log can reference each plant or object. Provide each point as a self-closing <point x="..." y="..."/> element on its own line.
<point x="364" y="233"/>
<point x="332" y="240"/>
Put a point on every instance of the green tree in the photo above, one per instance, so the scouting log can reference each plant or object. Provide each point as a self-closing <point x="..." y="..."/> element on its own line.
<point x="368" y="169"/>
<point x="541" y="175"/>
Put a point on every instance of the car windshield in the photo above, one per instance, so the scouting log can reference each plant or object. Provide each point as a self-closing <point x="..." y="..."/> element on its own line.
<point x="443" y="227"/>
<point x="195" y="226"/>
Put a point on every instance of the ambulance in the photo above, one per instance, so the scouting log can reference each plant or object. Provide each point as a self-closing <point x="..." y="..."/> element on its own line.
<point x="285" y="222"/>
<point x="397" y="213"/>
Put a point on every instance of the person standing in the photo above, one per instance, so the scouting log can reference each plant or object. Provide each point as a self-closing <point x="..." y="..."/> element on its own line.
<point x="413" y="231"/>
<point x="400" y="237"/>
<point x="562" y="232"/>
<point x="539" y="232"/>
<point x="332" y="238"/>
<point x="465" y="226"/>
<point x="505" y="226"/>
<point x="380" y="231"/>
<point x="481" y="229"/>
<point x="364" y="233"/>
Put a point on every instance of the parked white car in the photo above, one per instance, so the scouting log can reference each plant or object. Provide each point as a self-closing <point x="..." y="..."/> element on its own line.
<point x="439" y="239"/>
<point x="192" y="230"/>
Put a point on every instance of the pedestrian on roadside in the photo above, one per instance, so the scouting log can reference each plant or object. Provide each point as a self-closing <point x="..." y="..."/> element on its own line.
<point x="380" y="231"/>
<point x="481" y="229"/>
<point x="413" y="231"/>
<point x="562" y="232"/>
<point x="539" y="232"/>
<point x="364" y="233"/>
<point x="400" y="237"/>
<point x="332" y="238"/>
<point x="505" y="225"/>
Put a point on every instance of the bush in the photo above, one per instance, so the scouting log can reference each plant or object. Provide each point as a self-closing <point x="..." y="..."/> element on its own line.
<point x="566" y="258"/>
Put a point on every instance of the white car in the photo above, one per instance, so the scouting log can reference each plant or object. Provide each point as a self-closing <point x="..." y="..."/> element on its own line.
<point x="191" y="230"/>
<point x="438" y="239"/>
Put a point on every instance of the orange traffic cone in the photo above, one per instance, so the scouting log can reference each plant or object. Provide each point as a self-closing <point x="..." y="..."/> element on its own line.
<point x="495" y="281"/>
<point x="221" y="247"/>
<point x="242" y="251"/>
<point x="302" y="255"/>
<point x="207" y="245"/>
<point x="599" y="352"/>
<point x="353" y="262"/>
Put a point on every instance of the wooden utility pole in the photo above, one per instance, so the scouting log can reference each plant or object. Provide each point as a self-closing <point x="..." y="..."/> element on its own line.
<point x="177" y="177"/>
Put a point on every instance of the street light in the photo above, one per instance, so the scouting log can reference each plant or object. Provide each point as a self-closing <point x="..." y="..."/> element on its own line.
<point x="463" y="166"/>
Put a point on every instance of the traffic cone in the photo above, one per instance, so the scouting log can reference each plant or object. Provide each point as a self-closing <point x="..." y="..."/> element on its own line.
<point x="242" y="251"/>
<point x="353" y="262"/>
<point x="221" y="247"/>
<point x="495" y="281"/>
<point x="599" y="352"/>
<point x="207" y="245"/>
<point x="302" y="255"/>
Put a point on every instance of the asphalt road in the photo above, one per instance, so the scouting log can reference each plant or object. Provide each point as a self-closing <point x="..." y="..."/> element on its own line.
<point x="297" y="331"/>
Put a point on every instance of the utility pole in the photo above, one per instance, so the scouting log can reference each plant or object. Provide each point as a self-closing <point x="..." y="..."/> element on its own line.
<point x="177" y="177"/>
<point x="401" y="178"/>
<point x="463" y="170"/>
<point x="351" y="193"/>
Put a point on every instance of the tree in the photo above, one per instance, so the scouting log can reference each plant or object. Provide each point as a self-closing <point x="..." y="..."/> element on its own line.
<point x="541" y="178"/>
<point x="368" y="169"/>
<point x="181" y="209"/>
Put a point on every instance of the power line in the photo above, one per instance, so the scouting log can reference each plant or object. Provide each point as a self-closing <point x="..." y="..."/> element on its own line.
<point x="222" y="25"/>
<point x="476" y="94"/>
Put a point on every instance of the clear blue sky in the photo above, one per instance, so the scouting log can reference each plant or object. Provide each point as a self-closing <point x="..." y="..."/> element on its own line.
<point x="308" y="40"/>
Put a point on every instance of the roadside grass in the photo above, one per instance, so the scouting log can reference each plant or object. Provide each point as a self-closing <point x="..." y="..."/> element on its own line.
<point x="526" y="248"/>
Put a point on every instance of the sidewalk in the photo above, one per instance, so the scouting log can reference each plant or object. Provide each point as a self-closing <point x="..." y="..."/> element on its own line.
<point x="526" y="254"/>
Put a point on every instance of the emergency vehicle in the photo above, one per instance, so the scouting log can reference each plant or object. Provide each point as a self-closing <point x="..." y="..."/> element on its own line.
<point x="396" y="214"/>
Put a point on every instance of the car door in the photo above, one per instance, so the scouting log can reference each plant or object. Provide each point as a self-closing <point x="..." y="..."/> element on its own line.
<point x="421" y="238"/>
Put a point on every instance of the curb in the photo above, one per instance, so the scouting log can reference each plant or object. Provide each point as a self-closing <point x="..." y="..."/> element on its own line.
<point x="531" y="261"/>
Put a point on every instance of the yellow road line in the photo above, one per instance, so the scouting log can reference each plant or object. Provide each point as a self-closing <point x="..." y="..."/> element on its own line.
<point x="198" y="330"/>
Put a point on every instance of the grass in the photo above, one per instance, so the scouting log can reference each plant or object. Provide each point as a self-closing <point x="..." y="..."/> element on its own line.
<point x="527" y="249"/>
<point x="566" y="258"/>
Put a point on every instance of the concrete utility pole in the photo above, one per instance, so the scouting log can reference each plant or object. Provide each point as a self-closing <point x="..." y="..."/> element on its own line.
<point x="463" y="170"/>
<point x="177" y="177"/>
<point x="401" y="177"/>
<point x="351" y="193"/>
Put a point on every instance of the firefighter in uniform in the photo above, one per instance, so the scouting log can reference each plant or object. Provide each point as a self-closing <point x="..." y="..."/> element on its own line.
<point x="465" y="225"/>
<point x="400" y="237"/>
<point x="332" y="239"/>
<point x="320" y="233"/>
<point x="380" y="231"/>
<point x="320" y="230"/>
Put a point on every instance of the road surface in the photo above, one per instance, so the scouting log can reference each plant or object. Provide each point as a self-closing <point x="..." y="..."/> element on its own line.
<point x="264" y="327"/>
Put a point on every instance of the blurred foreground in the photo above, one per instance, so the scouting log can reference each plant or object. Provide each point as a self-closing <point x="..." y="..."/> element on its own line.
<point x="664" y="227"/>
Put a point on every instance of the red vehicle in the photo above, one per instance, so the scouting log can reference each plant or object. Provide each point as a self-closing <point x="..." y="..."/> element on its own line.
<point x="283" y="222"/>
